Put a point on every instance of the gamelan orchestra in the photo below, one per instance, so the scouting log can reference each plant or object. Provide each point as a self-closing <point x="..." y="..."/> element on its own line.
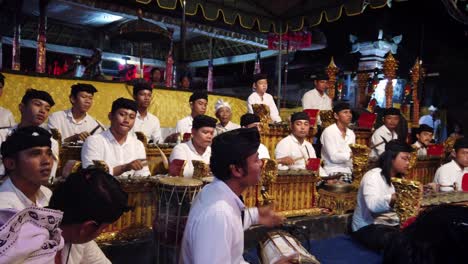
<point x="72" y="185"/>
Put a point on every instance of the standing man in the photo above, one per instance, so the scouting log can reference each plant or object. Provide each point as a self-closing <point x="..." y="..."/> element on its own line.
<point x="198" y="148"/>
<point x="76" y="124"/>
<point x="251" y="120"/>
<point x="215" y="228"/>
<point x="432" y="121"/>
<point x="224" y="115"/>
<point x="121" y="151"/>
<point x="317" y="98"/>
<point x="7" y="120"/>
<point x="385" y="133"/>
<point x="260" y="96"/>
<point x="335" y="139"/>
<point x="28" y="161"/>
<point x="424" y="137"/>
<point x="146" y="122"/>
<point x="198" y="102"/>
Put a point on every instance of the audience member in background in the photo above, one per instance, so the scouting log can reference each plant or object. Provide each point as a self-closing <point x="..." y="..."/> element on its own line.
<point x="145" y="122"/>
<point x="184" y="83"/>
<point x="156" y="78"/>
<point x="224" y="115"/>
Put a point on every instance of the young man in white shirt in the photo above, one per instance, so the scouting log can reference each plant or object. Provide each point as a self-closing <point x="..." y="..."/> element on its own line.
<point x="214" y="232"/>
<point x="119" y="149"/>
<point x="423" y="138"/>
<point x="198" y="148"/>
<point x="260" y="96"/>
<point x="198" y="102"/>
<point x="385" y="133"/>
<point x="294" y="150"/>
<point x="75" y="124"/>
<point x="335" y="139"/>
<point x="7" y="120"/>
<point x="317" y="98"/>
<point x="28" y="161"/>
<point x="146" y="122"/>
<point x="251" y="120"/>
<point x="449" y="177"/>
<point x="90" y="200"/>
<point x="224" y="115"/>
<point x="374" y="221"/>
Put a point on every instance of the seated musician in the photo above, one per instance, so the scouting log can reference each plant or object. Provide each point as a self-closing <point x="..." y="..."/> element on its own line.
<point x="449" y="176"/>
<point x="385" y="133"/>
<point x="335" y="139"/>
<point x="224" y="115"/>
<point x="317" y="98"/>
<point x="294" y="150"/>
<point x="260" y="96"/>
<point x="198" y="148"/>
<point x="34" y="108"/>
<point x="76" y="124"/>
<point x="214" y="232"/>
<point x="374" y="221"/>
<point x="119" y="149"/>
<point x="7" y="120"/>
<point x="251" y="120"/>
<point x="424" y="136"/>
<point x="90" y="200"/>
<point x="198" y="103"/>
<point x="28" y="161"/>
<point x="146" y="122"/>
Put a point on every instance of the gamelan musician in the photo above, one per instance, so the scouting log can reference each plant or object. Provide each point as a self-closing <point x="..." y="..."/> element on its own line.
<point x="260" y="96"/>
<point x="224" y="114"/>
<point x="198" y="148"/>
<point x="385" y="133"/>
<point x="374" y="221"/>
<point x="252" y="120"/>
<point x="317" y="98"/>
<point x="119" y="149"/>
<point x="146" y="122"/>
<point x="75" y="124"/>
<point x="454" y="175"/>
<point x="198" y="104"/>
<point x="424" y="136"/>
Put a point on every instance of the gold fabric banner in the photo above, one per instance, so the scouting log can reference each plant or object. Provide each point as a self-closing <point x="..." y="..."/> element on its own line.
<point x="168" y="105"/>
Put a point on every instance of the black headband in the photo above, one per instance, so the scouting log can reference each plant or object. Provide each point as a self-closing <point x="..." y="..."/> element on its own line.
<point x="299" y="116"/>
<point x="25" y="138"/>
<point x="203" y="121"/>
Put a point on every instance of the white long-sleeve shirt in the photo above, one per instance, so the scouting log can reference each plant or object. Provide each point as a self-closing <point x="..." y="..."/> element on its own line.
<point x="266" y="99"/>
<point x="376" y="139"/>
<point x="7" y="119"/>
<point x="336" y="152"/>
<point x="64" y="122"/>
<point x="313" y="100"/>
<point x="290" y="146"/>
<point x="184" y="125"/>
<point x="214" y="232"/>
<point x="448" y="174"/>
<point x="104" y="147"/>
<point x="186" y="151"/>
<point x="373" y="199"/>
<point x="149" y="125"/>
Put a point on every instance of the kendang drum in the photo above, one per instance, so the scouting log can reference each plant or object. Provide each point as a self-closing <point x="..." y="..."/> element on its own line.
<point x="175" y="199"/>
<point x="279" y="244"/>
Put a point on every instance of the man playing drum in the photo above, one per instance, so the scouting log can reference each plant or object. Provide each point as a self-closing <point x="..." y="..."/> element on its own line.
<point x="121" y="151"/>
<point x="215" y="228"/>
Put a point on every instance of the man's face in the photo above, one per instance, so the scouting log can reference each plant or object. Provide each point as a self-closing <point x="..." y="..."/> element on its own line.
<point x="156" y="77"/>
<point x="461" y="157"/>
<point x="224" y="115"/>
<point x="391" y="121"/>
<point x="321" y="85"/>
<point x="122" y="120"/>
<point x="199" y="106"/>
<point x="254" y="167"/>
<point x="401" y="162"/>
<point x="35" y="111"/>
<point x="257" y="125"/>
<point x="32" y="165"/>
<point x="203" y="136"/>
<point x="261" y="86"/>
<point x="143" y="98"/>
<point x="83" y="101"/>
<point x="300" y="129"/>
<point x="344" y="117"/>
<point x="185" y="83"/>
<point x="424" y="137"/>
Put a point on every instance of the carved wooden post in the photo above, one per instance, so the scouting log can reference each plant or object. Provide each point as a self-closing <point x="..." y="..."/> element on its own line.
<point x="332" y="70"/>
<point x="390" y="67"/>
<point x="415" y="76"/>
<point x="363" y="81"/>
<point x="41" y="37"/>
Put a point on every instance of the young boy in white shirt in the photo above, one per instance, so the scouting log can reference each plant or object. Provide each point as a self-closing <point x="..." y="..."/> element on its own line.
<point x="260" y="96"/>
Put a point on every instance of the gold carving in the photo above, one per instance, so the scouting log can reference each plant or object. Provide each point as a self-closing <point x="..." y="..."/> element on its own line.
<point x="263" y="112"/>
<point x="409" y="195"/>
<point x="200" y="169"/>
<point x="360" y="162"/>
<point x="327" y="118"/>
<point x="337" y="202"/>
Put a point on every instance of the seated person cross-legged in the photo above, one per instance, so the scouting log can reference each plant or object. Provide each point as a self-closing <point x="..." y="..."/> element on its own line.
<point x="374" y="221"/>
<point x="454" y="175"/>
<point x="119" y="149"/>
<point x="198" y="148"/>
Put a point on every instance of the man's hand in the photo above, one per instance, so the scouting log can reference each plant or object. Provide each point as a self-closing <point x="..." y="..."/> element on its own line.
<point x="134" y="165"/>
<point x="286" y="161"/>
<point x="77" y="137"/>
<point x="172" y="138"/>
<point x="267" y="217"/>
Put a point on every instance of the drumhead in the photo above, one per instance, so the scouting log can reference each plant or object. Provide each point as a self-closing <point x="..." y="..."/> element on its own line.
<point x="180" y="181"/>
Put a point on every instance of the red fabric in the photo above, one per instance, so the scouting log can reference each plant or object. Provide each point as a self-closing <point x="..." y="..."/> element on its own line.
<point x="464" y="184"/>
<point x="176" y="167"/>
<point x="408" y="222"/>
<point x="313" y="114"/>
<point x="367" y="120"/>
<point x="435" y="150"/>
<point x="313" y="164"/>
<point x="187" y="137"/>
<point x="291" y="40"/>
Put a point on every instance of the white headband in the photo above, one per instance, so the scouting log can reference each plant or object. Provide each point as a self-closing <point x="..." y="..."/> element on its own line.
<point x="220" y="103"/>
